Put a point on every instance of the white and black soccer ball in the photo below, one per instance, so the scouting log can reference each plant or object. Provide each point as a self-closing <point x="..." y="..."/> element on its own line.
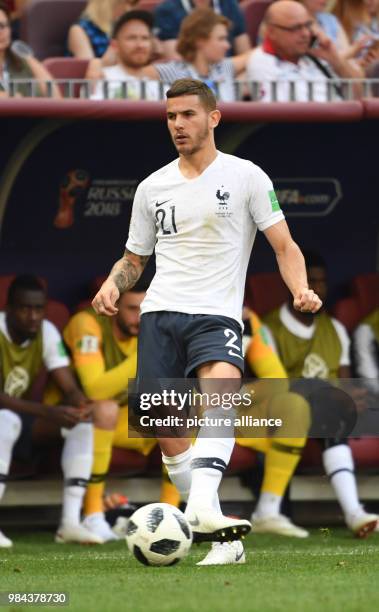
<point x="158" y="534"/>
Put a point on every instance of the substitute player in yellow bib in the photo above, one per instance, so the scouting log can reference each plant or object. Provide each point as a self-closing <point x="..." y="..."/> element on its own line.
<point x="104" y="355"/>
<point x="282" y="454"/>
<point x="29" y="342"/>
<point x="317" y="347"/>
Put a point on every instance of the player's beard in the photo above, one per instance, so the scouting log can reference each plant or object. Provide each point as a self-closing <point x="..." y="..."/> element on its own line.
<point x="197" y="143"/>
<point x="128" y="330"/>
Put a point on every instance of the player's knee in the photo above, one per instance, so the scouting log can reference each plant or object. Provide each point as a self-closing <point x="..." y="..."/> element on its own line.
<point x="171" y="447"/>
<point x="301" y="411"/>
<point x="294" y="411"/>
<point x="10" y="425"/>
<point x="105" y="415"/>
<point x="334" y="414"/>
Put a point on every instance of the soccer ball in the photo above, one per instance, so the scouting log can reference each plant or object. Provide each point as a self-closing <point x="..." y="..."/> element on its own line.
<point x="158" y="534"/>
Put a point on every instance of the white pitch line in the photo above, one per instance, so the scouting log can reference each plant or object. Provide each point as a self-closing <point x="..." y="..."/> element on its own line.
<point x="252" y="553"/>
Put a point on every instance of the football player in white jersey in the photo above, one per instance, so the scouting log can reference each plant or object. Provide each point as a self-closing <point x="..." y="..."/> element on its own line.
<point x="200" y="213"/>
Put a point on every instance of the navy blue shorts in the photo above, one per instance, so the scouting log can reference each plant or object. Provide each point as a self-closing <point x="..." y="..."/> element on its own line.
<point x="175" y="344"/>
<point x="171" y="346"/>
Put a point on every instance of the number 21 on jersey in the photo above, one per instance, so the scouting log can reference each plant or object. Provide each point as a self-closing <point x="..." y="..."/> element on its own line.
<point x="166" y="220"/>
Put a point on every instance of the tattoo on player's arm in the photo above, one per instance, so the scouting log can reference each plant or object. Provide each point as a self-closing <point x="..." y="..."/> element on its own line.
<point x="126" y="271"/>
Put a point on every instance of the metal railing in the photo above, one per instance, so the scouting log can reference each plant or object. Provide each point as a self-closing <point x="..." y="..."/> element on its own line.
<point x="267" y="91"/>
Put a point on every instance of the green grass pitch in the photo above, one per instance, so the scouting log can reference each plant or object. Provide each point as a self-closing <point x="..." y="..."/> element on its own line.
<point x="328" y="572"/>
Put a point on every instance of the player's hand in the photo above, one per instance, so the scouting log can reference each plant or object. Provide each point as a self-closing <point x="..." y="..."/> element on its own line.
<point x="105" y="299"/>
<point x="65" y="416"/>
<point x="307" y="301"/>
<point x="86" y="410"/>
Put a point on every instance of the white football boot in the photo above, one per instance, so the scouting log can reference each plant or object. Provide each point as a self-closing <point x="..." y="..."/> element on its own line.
<point x="210" y="526"/>
<point x="96" y="523"/>
<point x="4" y="541"/>
<point x="76" y="534"/>
<point x="363" y="523"/>
<point x="120" y="527"/>
<point x="277" y="524"/>
<point x="225" y="553"/>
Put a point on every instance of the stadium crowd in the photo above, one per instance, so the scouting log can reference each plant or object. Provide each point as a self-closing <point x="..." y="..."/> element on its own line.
<point x="72" y="382"/>
<point x="134" y="49"/>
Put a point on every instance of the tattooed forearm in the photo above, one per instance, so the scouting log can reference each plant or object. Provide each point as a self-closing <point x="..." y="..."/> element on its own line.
<point x="126" y="272"/>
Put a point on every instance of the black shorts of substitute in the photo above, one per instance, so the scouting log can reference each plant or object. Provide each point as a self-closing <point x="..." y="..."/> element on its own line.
<point x="172" y="345"/>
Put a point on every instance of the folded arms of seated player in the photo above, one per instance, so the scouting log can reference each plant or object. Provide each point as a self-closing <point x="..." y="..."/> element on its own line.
<point x="84" y="338"/>
<point x="65" y="416"/>
<point x="75" y="407"/>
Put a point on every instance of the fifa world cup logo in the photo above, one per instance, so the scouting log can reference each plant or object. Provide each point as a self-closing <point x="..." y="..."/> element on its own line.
<point x="71" y="188"/>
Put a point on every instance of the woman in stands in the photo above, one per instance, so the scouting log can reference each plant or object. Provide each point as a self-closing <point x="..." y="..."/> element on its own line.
<point x="331" y="26"/>
<point x="27" y="73"/>
<point x="360" y="18"/>
<point x="90" y="36"/>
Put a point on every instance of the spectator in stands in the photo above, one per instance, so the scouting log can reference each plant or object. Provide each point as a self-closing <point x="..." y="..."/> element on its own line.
<point x="287" y="55"/>
<point x="27" y="343"/>
<point x="16" y="9"/>
<point x="104" y="355"/>
<point x="132" y="42"/>
<point x="366" y="349"/>
<point x="327" y="21"/>
<point x="170" y="14"/>
<point x="316" y="348"/>
<point x="90" y="36"/>
<point x="333" y="28"/>
<point x="16" y="68"/>
<point x="203" y="44"/>
<point x="360" y="19"/>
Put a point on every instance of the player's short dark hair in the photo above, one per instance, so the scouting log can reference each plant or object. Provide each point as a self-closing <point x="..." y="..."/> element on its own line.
<point x="193" y="87"/>
<point x="314" y="260"/>
<point x="137" y="15"/>
<point x="24" y="282"/>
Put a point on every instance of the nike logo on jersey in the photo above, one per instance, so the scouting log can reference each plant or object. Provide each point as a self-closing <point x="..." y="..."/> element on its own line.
<point x="161" y="203"/>
<point x="194" y="523"/>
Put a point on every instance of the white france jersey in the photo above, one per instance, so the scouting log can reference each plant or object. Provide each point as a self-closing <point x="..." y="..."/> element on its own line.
<point x="203" y="230"/>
